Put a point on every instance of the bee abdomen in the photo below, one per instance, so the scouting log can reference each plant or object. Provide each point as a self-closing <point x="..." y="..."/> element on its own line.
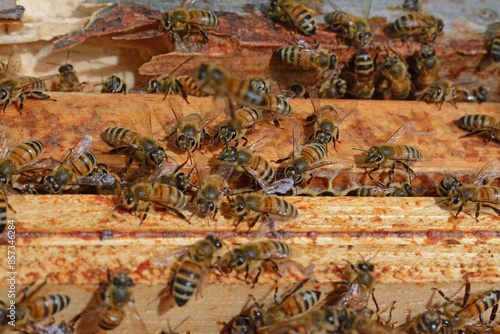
<point x="111" y="318"/>
<point x="85" y="163"/>
<point x="406" y="23"/>
<point x="275" y="248"/>
<point x="249" y="115"/>
<point x="171" y="196"/>
<point x="261" y="166"/>
<point x="363" y="66"/>
<point x="32" y="83"/>
<point x="190" y="87"/>
<point x="304" y="19"/>
<point x="476" y="122"/>
<point x="295" y="56"/>
<point x="489" y="194"/>
<point x="314" y="152"/>
<point x="43" y="307"/>
<point x="301" y="302"/>
<point x="204" y="18"/>
<point x="26" y="152"/>
<point x="186" y="281"/>
<point x="118" y="136"/>
<point x="3" y="211"/>
<point x="408" y="153"/>
<point x="495" y="48"/>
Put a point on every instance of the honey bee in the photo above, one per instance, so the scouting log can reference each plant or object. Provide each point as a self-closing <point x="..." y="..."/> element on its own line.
<point x="17" y="158"/>
<point x="299" y="90"/>
<point x="334" y="88"/>
<point x="390" y="154"/>
<point x="493" y="34"/>
<point x="260" y="203"/>
<point x="364" y="86"/>
<point x="237" y="123"/>
<point x="307" y="58"/>
<point x="404" y="190"/>
<point x="145" y="193"/>
<point x="79" y="163"/>
<point x="326" y="120"/>
<point x="480" y="94"/>
<point x="313" y="322"/>
<point x="361" y="280"/>
<point x="168" y="84"/>
<point x="253" y="255"/>
<point x="51" y="328"/>
<point x="216" y="81"/>
<point x="305" y="158"/>
<point x="105" y="181"/>
<point x="354" y="28"/>
<point x="145" y="148"/>
<point x="426" y="66"/>
<point x="291" y="305"/>
<point x="396" y="81"/>
<point x="299" y="16"/>
<point x="444" y="91"/>
<point x="260" y="83"/>
<point x="68" y="79"/>
<point x="183" y="20"/>
<point x="14" y="87"/>
<point x="193" y="266"/>
<point x="475" y="194"/>
<point x="190" y="129"/>
<point x="212" y="189"/>
<point x="169" y="174"/>
<point x="429" y="322"/>
<point x="245" y="159"/>
<point x="447" y="184"/>
<point x="462" y="313"/>
<point x="29" y="310"/>
<point x="115" y="295"/>
<point x="480" y="124"/>
<point x="423" y="27"/>
<point x="114" y="84"/>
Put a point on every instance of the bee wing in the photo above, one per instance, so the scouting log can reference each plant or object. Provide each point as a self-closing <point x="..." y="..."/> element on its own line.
<point x="97" y="180"/>
<point x="492" y="29"/>
<point x="47" y="163"/>
<point x="75" y="152"/>
<point x="322" y="163"/>
<point x="384" y="190"/>
<point x="490" y="169"/>
<point x="187" y="3"/>
<point x="345" y="111"/>
<point x="200" y="165"/>
<point x="5" y="142"/>
<point x="314" y="97"/>
<point x="166" y="258"/>
<point x="138" y="325"/>
<point x="13" y="66"/>
<point x="256" y="176"/>
<point x="225" y="170"/>
<point x="280" y="187"/>
<point x="334" y="6"/>
<point x="366" y="6"/>
<point x="284" y="94"/>
<point x="212" y="115"/>
<point x="177" y="110"/>
<point x="260" y="143"/>
<point x="166" y="167"/>
<point x="403" y="130"/>
<point x="298" y="134"/>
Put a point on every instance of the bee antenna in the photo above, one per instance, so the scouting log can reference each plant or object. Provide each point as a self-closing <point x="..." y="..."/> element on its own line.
<point x="52" y="63"/>
<point x="189" y="220"/>
<point x="359" y="149"/>
<point x="371" y="257"/>
<point x="99" y="84"/>
<point x="444" y="200"/>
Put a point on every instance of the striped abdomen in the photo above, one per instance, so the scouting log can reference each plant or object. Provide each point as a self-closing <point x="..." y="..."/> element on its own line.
<point x="478" y="122"/>
<point x="278" y="206"/>
<point x="303" y="20"/>
<point x="26" y="152"/>
<point x="3" y="210"/>
<point x="195" y="118"/>
<point x="111" y="317"/>
<point x="363" y="66"/>
<point x="480" y="304"/>
<point x="189" y="86"/>
<point x="336" y="20"/>
<point x="298" y="303"/>
<point x="488" y="194"/>
<point x="120" y="137"/>
<point x="261" y="166"/>
<point x="408" y="23"/>
<point x="244" y="93"/>
<point x="169" y="196"/>
<point x="203" y="18"/>
<point x="297" y="56"/>
<point x="274" y="249"/>
<point x="404" y="152"/>
<point x="85" y="163"/>
<point x="495" y="48"/>
<point x="186" y="281"/>
<point x="248" y="115"/>
<point x="278" y="106"/>
<point x="314" y="152"/>
<point x="46" y="306"/>
<point x="31" y="83"/>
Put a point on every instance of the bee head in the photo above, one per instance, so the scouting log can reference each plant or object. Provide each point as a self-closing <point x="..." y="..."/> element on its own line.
<point x="432" y="322"/>
<point x="407" y="189"/>
<point x="238" y="259"/>
<point x="447" y="184"/>
<point x="185" y="143"/>
<point x="4" y="95"/>
<point x="323" y="137"/>
<point x="205" y="207"/>
<point x="374" y="155"/>
<point x="227" y="134"/>
<point x="215" y="241"/>
<point x="229" y="154"/>
<point x="333" y="61"/>
<point x="182" y="181"/>
<point x="237" y="205"/>
<point x="153" y="87"/>
<point x="362" y="38"/>
<point x="427" y="51"/>
<point x="365" y="274"/>
<point x="157" y="156"/>
<point x="65" y="68"/>
<point x="167" y="22"/>
<point x="292" y="173"/>
<point x="454" y="198"/>
<point x="440" y="25"/>
<point x="50" y="184"/>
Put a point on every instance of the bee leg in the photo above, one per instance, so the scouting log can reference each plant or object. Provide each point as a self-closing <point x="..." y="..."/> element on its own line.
<point x="478" y="207"/>
<point x="493" y="313"/>
<point x="254" y="222"/>
<point x="21" y="104"/>
<point x="145" y="214"/>
<point x="256" y="279"/>
<point x="310" y="179"/>
<point x="167" y="137"/>
<point x="459" y="210"/>
<point x="127" y="166"/>
<point x="5" y="105"/>
<point x="371" y="177"/>
<point x="281" y="160"/>
<point x="246" y="273"/>
<point x="181" y="89"/>
<point x="124" y="89"/>
<point x="239" y="222"/>
<point x="204" y="35"/>
<point x="246" y="141"/>
<point x="408" y="169"/>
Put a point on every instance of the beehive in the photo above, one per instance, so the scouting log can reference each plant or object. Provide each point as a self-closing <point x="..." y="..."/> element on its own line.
<point x="73" y="239"/>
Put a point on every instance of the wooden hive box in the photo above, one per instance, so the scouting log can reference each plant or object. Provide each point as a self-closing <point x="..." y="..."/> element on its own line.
<point x="73" y="239"/>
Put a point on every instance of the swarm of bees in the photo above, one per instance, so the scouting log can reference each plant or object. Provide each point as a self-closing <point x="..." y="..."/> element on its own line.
<point x="165" y="184"/>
